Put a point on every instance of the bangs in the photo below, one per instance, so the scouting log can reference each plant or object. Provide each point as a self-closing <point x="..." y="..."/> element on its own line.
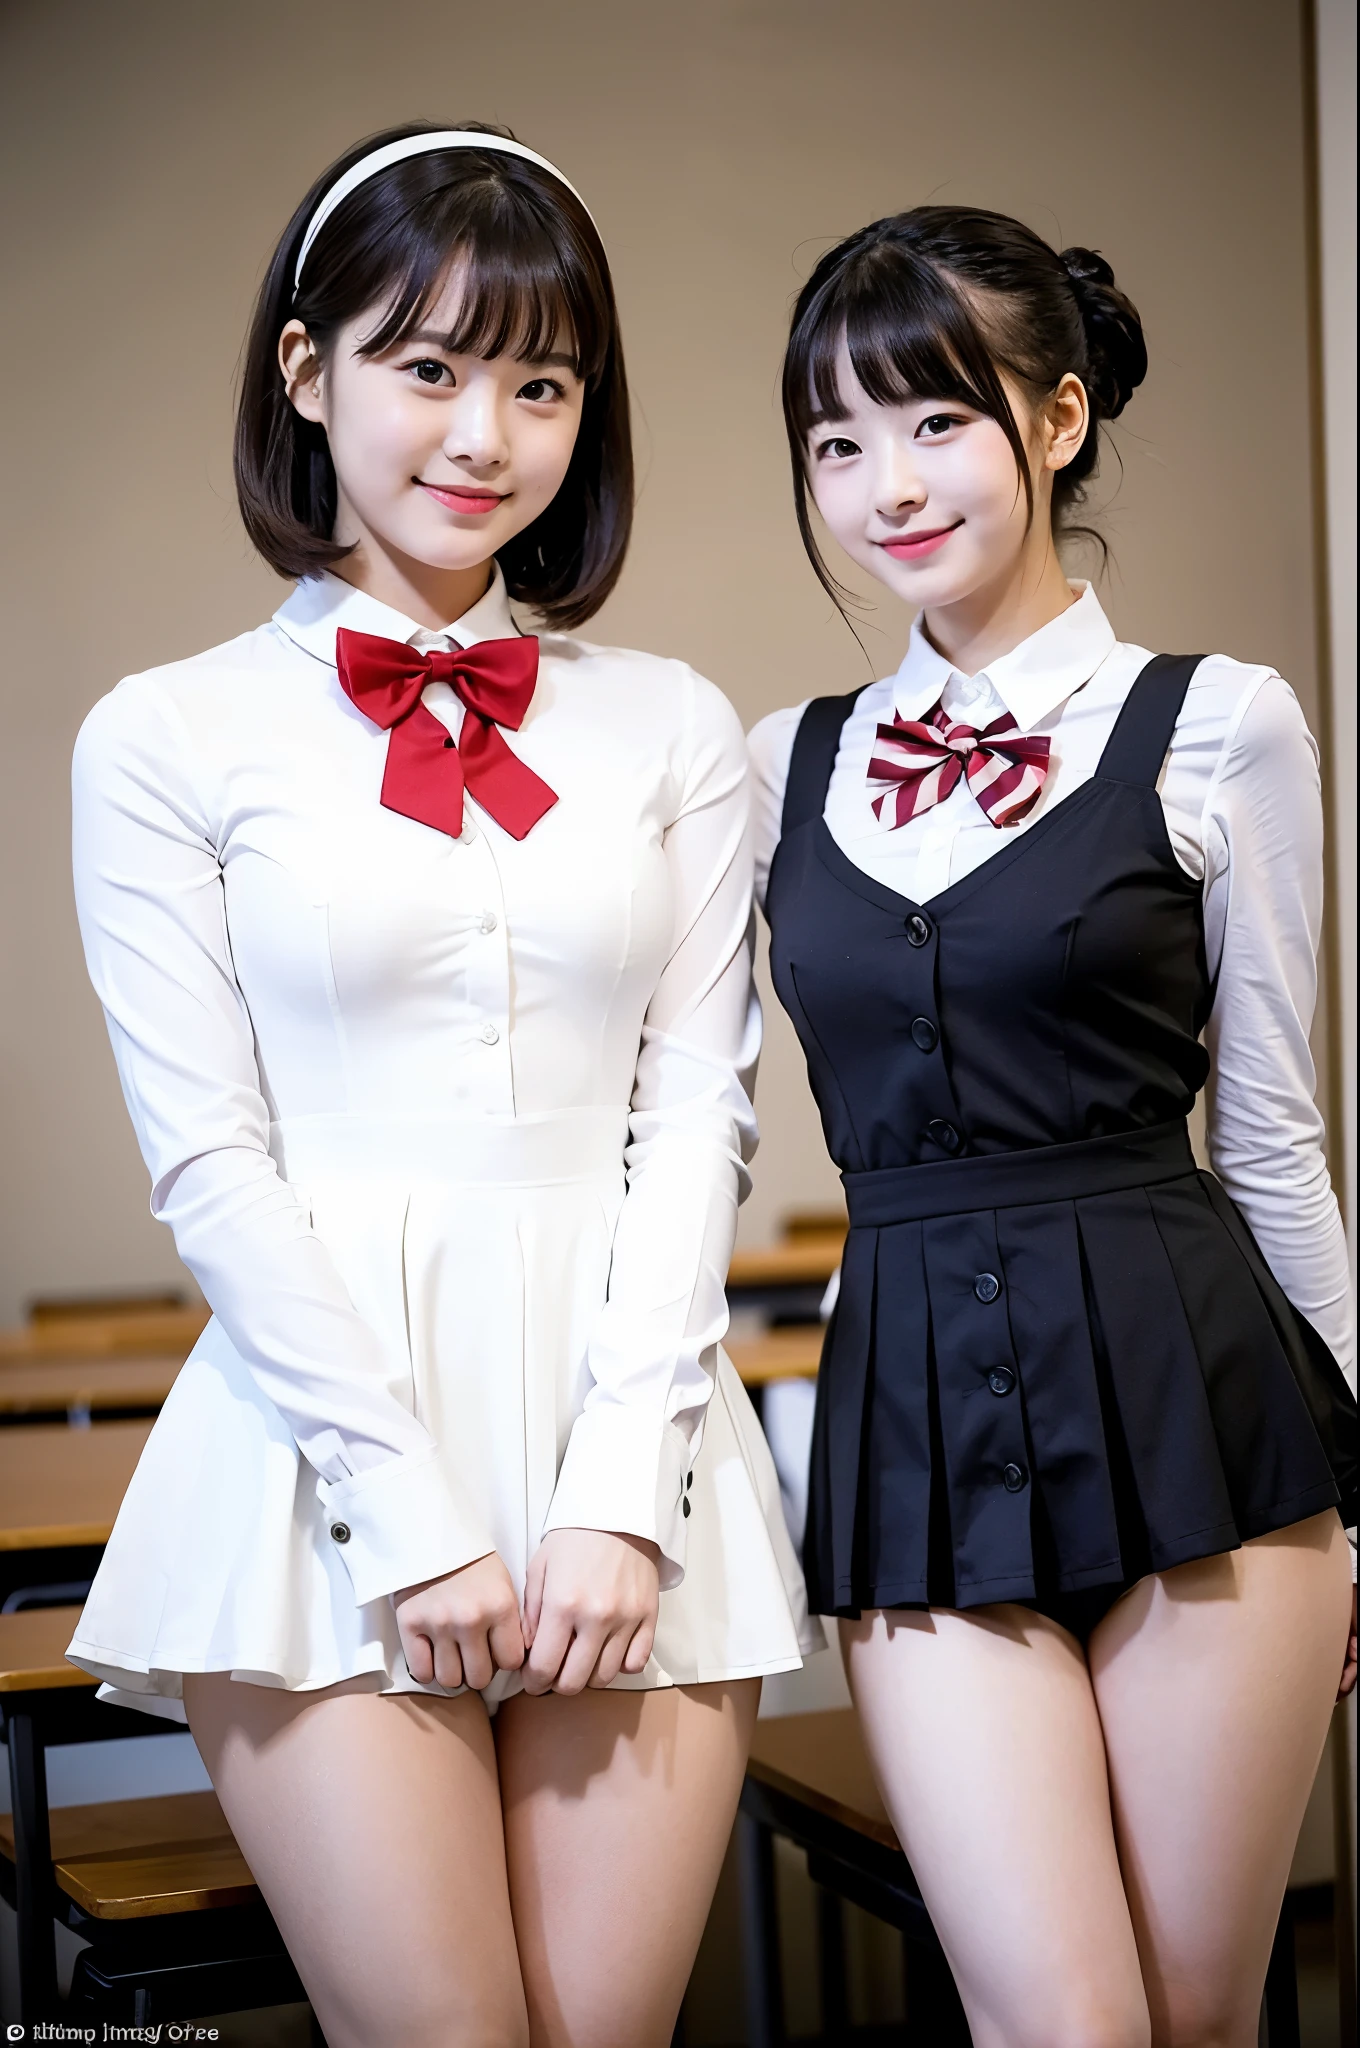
<point x="527" y="289"/>
<point x="909" y="334"/>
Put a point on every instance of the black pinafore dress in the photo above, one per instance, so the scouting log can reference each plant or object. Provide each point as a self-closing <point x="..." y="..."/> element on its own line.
<point x="1058" y="1360"/>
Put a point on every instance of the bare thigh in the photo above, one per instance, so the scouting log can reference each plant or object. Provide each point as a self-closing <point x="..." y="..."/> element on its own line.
<point x="372" y="1824"/>
<point x="1215" y="1684"/>
<point x="987" y="1747"/>
<point x="618" y="1807"/>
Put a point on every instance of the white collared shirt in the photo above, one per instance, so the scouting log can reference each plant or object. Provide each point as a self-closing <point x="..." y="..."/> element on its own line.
<point x="1242" y="798"/>
<point x="269" y="944"/>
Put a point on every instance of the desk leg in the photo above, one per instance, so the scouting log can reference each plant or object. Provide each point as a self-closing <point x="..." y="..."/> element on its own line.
<point x="34" y="1899"/>
<point x="760" y="1935"/>
<point x="1282" y="1984"/>
<point x="831" y="1956"/>
<point x="935" y="2015"/>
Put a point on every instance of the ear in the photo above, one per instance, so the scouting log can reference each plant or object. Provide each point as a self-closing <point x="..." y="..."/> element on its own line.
<point x="1067" y="419"/>
<point x="301" y="369"/>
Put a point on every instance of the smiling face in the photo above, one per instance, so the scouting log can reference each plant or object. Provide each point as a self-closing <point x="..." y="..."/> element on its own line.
<point x="926" y="494"/>
<point x="440" y="458"/>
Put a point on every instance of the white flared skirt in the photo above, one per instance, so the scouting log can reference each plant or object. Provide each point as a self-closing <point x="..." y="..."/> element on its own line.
<point x="480" y="1254"/>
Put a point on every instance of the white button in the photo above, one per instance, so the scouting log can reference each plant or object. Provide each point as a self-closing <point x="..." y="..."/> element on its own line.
<point x="488" y="921"/>
<point x="490" y="1034"/>
<point x="468" y="833"/>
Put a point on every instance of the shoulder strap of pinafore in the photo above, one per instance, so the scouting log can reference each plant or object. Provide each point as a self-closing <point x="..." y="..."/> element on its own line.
<point x="1142" y="732"/>
<point x="815" y="745"/>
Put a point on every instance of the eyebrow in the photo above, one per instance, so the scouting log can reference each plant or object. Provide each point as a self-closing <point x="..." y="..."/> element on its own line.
<point x="428" y="336"/>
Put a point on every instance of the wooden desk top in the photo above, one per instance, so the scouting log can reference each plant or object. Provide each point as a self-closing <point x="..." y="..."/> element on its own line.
<point x="133" y="1859"/>
<point x="60" y="1485"/>
<point x="33" y="1650"/>
<point x="801" y="1262"/>
<point x="821" y="1759"/>
<point x="169" y="1333"/>
<point x="35" y="1385"/>
<point x="787" y="1354"/>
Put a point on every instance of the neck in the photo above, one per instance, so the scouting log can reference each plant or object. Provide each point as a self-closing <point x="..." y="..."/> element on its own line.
<point x="432" y="597"/>
<point x="990" y="621"/>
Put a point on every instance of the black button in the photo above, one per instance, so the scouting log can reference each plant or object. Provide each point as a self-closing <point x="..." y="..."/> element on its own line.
<point x="1016" y="1478"/>
<point x="1001" y="1379"/>
<point x="689" y="1481"/>
<point x="339" y="1532"/>
<point x="684" y="1504"/>
<point x="986" y="1287"/>
<point x="925" y="1034"/>
<point x="945" y="1136"/>
<point x="918" y="929"/>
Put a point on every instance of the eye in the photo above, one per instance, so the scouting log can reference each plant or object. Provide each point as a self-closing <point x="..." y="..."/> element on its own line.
<point x="938" y="423"/>
<point x="539" y="390"/>
<point x="428" y="371"/>
<point x="837" y="449"/>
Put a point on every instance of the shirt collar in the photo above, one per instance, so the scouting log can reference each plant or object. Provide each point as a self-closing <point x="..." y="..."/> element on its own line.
<point x="321" y="605"/>
<point x="1031" y="681"/>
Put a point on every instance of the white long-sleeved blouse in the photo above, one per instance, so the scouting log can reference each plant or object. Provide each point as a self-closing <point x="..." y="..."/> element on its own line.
<point x="1242" y="799"/>
<point x="270" y="945"/>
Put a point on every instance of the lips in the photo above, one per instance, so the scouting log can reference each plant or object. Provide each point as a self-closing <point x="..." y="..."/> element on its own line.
<point x="470" y="503"/>
<point x="914" y="547"/>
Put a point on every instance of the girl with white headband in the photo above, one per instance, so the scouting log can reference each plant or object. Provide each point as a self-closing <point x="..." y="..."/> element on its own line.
<point x="422" y="946"/>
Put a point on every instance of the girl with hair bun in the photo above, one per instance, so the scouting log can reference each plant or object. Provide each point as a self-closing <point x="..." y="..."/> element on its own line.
<point x="1085" y="1416"/>
<point x="422" y="943"/>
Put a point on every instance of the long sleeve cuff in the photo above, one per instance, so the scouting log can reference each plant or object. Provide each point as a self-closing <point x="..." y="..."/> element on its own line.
<point x="399" y="1524"/>
<point x="626" y="1474"/>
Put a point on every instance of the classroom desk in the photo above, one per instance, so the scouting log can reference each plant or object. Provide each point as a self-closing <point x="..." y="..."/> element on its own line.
<point x="809" y="1780"/>
<point x="78" y="1388"/>
<point x="799" y="1262"/>
<point x="168" y="1333"/>
<point x="64" y="1486"/>
<point x="60" y="1490"/>
<point x="790" y="1353"/>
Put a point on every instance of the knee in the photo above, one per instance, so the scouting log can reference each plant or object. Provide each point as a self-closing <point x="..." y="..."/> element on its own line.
<point x="1186" y="2016"/>
<point x="1091" y="2019"/>
<point x="433" y="2018"/>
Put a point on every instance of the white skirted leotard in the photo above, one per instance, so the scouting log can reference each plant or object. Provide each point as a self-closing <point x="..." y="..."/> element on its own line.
<point x="452" y="1134"/>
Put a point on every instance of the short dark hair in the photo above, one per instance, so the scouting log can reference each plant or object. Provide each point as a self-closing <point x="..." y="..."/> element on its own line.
<point x="937" y="303"/>
<point x="537" y="277"/>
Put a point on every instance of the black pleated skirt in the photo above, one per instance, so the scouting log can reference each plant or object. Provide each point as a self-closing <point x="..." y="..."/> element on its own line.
<point x="1057" y="1371"/>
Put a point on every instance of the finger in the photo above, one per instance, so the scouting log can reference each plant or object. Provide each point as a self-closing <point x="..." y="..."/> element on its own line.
<point x="611" y="1658"/>
<point x="478" y="1669"/>
<point x="580" y="1661"/>
<point x="547" y="1650"/>
<point x="507" y="1643"/>
<point x="533" y="1593"/>
<point x="640" y="1649"/>
<point x="448" y="1665"/>
<point x="419" y="1653"/>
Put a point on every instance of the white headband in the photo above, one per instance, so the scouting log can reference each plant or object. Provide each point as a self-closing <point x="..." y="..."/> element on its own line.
<point x="416" y="145"/>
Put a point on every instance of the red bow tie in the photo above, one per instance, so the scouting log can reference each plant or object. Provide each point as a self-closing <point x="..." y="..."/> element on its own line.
<point x="426" y="771"/>
<point x="917" y="762"/>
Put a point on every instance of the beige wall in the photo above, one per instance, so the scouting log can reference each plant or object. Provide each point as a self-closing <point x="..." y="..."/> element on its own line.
<point x="149" y="152"/>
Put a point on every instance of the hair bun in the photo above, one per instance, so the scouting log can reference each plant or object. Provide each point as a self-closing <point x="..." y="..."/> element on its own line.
<point x="1115" y="346"/>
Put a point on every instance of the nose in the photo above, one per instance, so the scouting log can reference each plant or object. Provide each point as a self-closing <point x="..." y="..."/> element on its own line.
<point x="898" y="484"/>
<point x="474" y="428"/>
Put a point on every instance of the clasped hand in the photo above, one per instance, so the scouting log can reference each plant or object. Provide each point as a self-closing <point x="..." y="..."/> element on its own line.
<point x="590" y="1607"/>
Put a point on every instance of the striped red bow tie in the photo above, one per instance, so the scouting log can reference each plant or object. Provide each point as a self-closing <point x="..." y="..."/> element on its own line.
<point x="916" y="762"/>
<point x="426" y="770"/>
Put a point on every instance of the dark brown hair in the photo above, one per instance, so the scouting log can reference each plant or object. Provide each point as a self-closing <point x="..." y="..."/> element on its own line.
<point x="536" y="279"/>
<point x="938" y="303"/>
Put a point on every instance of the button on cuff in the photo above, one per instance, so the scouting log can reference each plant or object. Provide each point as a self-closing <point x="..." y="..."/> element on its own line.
<point x="403" y="1523"/>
